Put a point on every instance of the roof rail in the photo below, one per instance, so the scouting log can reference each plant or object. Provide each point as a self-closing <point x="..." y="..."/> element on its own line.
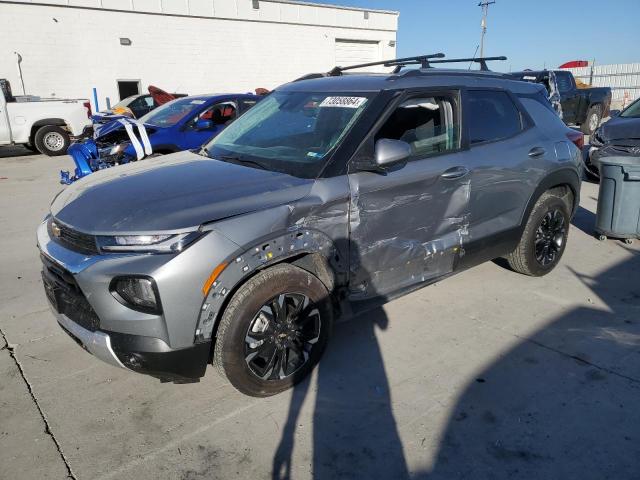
<point x="423" y="60"/>
<point x="481" y="60"/>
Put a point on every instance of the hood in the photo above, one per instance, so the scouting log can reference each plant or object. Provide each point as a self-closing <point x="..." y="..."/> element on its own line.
<point x="104" y="129"/>
<point x="108" y="127"/>
<point x="620" y="128"/>
<point x="171" y="193"/>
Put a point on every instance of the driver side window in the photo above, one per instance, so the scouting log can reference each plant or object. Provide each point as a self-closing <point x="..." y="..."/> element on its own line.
<point x="218" y="114"/>
<point x="428" y="124"/>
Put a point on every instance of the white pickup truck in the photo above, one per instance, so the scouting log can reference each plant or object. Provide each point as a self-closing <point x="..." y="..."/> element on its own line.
<point x="45" y="125"/>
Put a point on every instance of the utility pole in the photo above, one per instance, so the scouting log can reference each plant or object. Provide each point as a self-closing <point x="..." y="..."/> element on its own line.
<point x="483" y="24"/>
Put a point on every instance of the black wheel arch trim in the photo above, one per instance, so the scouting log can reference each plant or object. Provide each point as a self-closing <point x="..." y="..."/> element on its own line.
<point x="308" y="249"/>
<point x="562" y="177"/>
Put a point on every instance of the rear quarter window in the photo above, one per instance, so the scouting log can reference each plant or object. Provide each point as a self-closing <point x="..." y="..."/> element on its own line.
<point x="491" y="115"/>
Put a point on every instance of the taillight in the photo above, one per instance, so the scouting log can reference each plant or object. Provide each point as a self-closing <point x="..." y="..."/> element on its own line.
<point x="87" y="105"/>
<point x="577" y="138"/>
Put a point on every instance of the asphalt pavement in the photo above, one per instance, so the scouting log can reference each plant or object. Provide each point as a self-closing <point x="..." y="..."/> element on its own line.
<point x="486" y="375"/>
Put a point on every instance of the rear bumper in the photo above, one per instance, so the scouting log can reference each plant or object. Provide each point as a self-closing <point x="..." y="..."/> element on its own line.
<point x="146" y="355"/>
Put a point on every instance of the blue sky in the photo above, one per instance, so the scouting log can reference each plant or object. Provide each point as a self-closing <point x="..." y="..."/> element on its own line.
<point x="532" y="33"/>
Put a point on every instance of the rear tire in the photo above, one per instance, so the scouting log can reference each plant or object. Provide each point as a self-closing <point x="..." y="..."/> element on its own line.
<point x="592" y="121"/>
<point x="544" y="238"/>
<point x="52" y="140"/>
<point x="264" y="348"/>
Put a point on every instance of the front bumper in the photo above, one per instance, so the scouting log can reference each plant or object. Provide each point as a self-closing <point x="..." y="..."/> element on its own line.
<point x="96" y="343"/>
<point x="146" y="355"/>
<point x="161" y="345"/>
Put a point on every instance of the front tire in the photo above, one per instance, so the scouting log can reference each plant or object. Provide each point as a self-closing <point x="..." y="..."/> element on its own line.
<point x="52" y="140"/>
<point x="544" y="238"/>
<point x="274" y="331"/>
<point x="592" y="122"/>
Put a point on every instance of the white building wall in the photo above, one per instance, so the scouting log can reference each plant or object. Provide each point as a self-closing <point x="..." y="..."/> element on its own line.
<point x="189" y="46"/>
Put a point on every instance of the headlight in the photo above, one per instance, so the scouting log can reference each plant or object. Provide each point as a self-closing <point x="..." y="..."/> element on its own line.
<point x="163" y="243"/>
<point x="118" y="148"/>
<point x="138" y="293"/>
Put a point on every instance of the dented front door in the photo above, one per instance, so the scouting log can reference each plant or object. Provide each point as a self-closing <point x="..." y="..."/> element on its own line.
<point x="409" y="225"/>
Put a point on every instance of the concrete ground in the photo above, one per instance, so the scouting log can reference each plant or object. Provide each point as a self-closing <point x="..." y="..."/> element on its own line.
<point x="487" y="375"/>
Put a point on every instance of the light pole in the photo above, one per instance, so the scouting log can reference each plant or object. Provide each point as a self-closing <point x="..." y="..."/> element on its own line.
<point x="483" y="24"/>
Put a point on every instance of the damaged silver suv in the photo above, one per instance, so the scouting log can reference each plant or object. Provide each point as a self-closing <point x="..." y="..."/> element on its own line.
<point x="336" y="192"/>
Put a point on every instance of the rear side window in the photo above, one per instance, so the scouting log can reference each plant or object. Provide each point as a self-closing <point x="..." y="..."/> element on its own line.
<point x="539" y="97"/>
<point x="491" y="116"/>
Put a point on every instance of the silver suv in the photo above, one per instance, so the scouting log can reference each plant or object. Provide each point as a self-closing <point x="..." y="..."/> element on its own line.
<point x="333" y="194"/>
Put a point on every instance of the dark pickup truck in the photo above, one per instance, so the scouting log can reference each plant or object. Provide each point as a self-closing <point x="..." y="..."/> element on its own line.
<point x="577" y="106"/>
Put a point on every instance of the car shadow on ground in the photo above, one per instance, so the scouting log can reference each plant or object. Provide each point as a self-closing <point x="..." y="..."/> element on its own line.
<point x="354" y="430"/>
<point x="559" y="404"/>
<point x="16" y="151"/>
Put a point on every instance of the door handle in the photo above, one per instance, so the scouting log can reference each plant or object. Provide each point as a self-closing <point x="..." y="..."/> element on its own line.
<point x="455" y="172"/>
<point x="536" y="152"/>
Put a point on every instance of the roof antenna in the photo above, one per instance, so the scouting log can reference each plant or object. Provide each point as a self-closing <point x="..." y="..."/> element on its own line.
<point x="474" y="57"/>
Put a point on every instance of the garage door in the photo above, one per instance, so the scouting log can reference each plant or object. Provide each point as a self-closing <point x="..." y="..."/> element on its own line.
<point x="353" y="52"/>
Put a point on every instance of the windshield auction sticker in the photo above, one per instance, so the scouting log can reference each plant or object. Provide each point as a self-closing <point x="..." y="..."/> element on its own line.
<point x="343" y="102"/>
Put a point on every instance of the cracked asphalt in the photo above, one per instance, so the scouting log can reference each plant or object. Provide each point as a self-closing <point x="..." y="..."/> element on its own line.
<point x="486" y="375"/>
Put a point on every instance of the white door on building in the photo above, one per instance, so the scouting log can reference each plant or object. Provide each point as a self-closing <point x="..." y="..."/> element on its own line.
<point x="355" y="52"/>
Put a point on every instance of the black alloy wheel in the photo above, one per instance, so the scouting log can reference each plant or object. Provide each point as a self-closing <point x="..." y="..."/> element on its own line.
<point x="550" y="236"/>
<point x="282" y="335"/>
<point x="274" y="330"/>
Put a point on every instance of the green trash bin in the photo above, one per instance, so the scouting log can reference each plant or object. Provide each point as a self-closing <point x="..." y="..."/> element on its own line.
<point x="618" y="213"/>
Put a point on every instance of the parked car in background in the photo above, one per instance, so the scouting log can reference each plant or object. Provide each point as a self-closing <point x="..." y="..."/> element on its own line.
<point x="332" y="195"/>
<point x="619" y="136"/>
<point x="43" y="125"/>
<point x="181" y="124"/>
<point x="136" y="106"/>
<point x="584" y="107"/>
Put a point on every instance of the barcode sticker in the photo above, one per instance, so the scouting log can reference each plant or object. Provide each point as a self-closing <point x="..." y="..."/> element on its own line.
<point x="343" y="102"/>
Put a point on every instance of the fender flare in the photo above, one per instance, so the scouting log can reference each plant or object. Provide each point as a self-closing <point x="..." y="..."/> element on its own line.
<point x="557" y="178"/>
<point x="263" y="254"/>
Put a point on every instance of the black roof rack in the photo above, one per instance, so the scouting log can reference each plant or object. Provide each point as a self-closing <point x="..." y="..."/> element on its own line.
<point x="481" y="60"/>
<point x="423" y="60"/>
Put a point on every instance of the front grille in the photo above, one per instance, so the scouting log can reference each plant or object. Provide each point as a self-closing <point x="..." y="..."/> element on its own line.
<point x="627" y="149"/>
<point x="65" y="295"/>
<point x="72" y="239"/>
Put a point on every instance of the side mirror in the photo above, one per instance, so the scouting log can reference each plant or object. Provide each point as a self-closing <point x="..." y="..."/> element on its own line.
<point x="614" y="113"/>
<point x="391" y="152"/>
<point x="204" y="125"/>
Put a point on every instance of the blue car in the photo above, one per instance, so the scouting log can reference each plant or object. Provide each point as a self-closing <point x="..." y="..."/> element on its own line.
<point x="182" y="124"/>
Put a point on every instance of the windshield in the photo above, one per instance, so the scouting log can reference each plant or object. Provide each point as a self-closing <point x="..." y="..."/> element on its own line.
<point x="169" y="114"/>
<point x="125" y="102"/>
<point x="632" y="111"/>
<point x="290" y="132"/>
